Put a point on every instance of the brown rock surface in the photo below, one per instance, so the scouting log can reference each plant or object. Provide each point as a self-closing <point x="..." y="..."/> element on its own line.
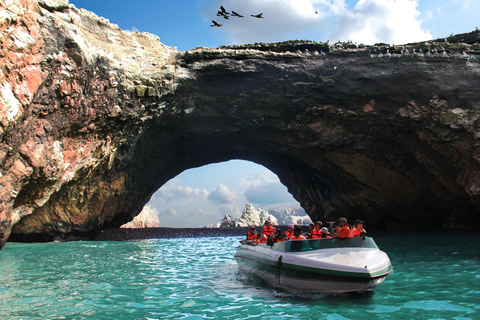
<point x="93" y="120"/>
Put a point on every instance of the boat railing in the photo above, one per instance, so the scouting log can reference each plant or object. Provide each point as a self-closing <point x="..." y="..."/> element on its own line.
<point x="317" y="244"/>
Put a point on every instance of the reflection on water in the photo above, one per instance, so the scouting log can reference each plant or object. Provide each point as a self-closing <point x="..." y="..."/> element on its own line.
<point x="434" y="277"/>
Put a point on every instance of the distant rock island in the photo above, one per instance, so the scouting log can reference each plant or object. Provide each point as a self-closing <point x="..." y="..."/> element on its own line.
<point x="282" y="214"/>
<point x="94" y="120"/>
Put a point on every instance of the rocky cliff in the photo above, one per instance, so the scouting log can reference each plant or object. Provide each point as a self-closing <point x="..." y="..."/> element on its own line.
<point x="93" y="120"/>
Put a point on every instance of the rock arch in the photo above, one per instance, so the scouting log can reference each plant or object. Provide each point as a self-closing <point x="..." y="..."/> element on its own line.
<point x="98" y="119"/>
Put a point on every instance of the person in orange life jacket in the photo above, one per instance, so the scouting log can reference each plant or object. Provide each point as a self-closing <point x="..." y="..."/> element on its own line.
<point x="268" y="229"/>
<point x="252" y="234"/>
<point x="343" y="230"/>
<point x="316" y="233"/>
<point x="297" y="234"/>
<point x="324" y="234"/>
<point x="289" y="232"/>
<point x="311" y="227"/>
<point x="282" y="238"/>
<point x="358" y="230"/>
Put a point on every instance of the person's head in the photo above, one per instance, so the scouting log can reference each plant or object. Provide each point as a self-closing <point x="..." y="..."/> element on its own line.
<point x="252" y="229"/>
<point x="297" y="231"/>
<point x="283" y="237"/>
<point x="267" y="223"/>
<point x="290" y="227"/>
<point x="311" y="226"/>
<point x="277" y="232"/>
<point x="318" y="225"/>
<point x="358" y="224"/>
<point x="324" y="230"/>
<point x="341" y="222"/>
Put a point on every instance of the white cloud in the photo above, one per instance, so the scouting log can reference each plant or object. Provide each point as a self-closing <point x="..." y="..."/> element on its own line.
<point x="222" y="195"/>
<point x="171" y="191"/>
<point x="267" y="193"/>
<point x="264" y="189"/>
<point x="390" y="21"/>
<point x="370" y="21"/>
<point x="230" y="209"/>
<point x="168" y="212"/>
<point x="258" y="179"/>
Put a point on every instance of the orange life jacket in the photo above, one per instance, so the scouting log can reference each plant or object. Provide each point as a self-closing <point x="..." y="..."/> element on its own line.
<point x="316" y="233"/>
<point x="356" y="232"/>
<point x="268" y="230"/>
<point x="344" y="232"/>
<point x="300" y="237"/>
<point x="251" y="235"/>
<point x="289" y="234"/>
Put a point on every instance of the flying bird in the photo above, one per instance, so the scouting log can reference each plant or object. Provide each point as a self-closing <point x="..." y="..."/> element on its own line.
<point x="257" y="15"/>
<point x="236" y="14"/>
<point x="215" y="24"/>
<point x="223" y="10"/>
<point x="221" y="14"/>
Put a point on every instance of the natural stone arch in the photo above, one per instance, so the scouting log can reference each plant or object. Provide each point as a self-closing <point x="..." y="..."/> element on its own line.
<point x="385" y="133"/>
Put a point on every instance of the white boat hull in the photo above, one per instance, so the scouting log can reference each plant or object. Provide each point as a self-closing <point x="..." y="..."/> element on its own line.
<point x="334" y="269"/>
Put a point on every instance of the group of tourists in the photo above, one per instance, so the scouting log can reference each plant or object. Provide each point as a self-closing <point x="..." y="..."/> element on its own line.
<point x="337" y="229"/>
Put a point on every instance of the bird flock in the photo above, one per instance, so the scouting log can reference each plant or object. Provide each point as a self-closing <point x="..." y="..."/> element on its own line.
<point x="226" y="15"/>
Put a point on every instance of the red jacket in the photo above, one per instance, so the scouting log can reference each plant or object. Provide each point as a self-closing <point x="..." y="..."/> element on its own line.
<point x="344" y="232"/>
<point x="300" y="237"/>
<point x="268" y="231"/>
<point x="356" y="232"/>
<point x="316" y="233"/>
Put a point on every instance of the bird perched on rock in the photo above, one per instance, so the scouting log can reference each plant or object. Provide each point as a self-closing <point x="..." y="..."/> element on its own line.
<point x="236" y="14"/>
<point x="257" y="15"/>
<point x="215" y="24"/>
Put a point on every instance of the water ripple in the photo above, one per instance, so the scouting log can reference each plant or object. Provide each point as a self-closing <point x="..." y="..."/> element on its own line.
<point x="198" y="279"/>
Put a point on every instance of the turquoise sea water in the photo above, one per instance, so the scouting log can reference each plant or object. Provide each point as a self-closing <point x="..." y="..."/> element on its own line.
<point x="436" y="276"/>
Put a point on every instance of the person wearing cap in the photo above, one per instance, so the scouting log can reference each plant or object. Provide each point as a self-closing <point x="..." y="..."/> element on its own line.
<point x="268" y="229"/>
<point x="324" y="234"/>
<point x="343" y="230"/>
<point x="358" y="230"/>
<point x="252" y="234"/>
<point x="289" y="232"/>
<point x="316" y="231"/>
<point x="297" y="234"/>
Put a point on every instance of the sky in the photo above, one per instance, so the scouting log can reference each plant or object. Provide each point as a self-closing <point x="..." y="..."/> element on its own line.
<point x="202" y="196"/>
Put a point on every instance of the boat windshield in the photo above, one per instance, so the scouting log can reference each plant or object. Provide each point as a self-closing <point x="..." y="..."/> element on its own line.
<point x="316" y="244"/>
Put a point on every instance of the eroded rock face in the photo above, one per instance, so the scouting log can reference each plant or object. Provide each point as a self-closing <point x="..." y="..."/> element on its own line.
<point x="94" y="120"/>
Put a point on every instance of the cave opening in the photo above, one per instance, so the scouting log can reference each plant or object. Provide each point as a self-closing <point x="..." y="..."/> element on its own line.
<point x="200" y="197"/>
